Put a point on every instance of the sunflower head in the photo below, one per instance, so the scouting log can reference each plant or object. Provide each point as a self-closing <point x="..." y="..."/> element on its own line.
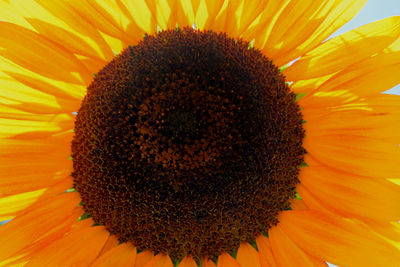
<point x="188" y="143"/>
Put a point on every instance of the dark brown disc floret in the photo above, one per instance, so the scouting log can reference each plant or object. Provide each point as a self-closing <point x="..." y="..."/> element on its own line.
<point x="188" y="143"/>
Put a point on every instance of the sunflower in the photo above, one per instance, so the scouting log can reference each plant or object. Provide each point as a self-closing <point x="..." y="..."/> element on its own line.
<point x="198" y="133"/>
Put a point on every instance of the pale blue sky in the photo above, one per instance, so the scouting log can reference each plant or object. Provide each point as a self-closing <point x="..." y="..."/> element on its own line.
<point x="372" y="11"/>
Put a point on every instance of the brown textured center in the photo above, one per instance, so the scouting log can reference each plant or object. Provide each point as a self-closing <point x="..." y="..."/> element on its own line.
<point x="187" y="143"/>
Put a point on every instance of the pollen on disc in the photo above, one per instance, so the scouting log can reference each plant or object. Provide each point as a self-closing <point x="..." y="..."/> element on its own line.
<point x="187" y="143"/>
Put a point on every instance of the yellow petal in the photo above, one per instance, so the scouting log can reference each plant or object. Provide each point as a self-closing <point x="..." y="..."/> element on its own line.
<point x="247" y="256"/>
<point x="306" y="86"/>
<point x="69" y="40"/>
<point x="345" y="50"/>
<point x="58" y="124"/>
<point x="18" y="93"/>
<point x="143" y="13"/>
<point x="67" y="98"/>
<point x="126" y="16"/>
<point x="237" y="16"/>
<point x="98" y="16"/>
<point x="122" y="255"/>
<point x="11" y="204"/>
<point x="331" y="238"/>
<point x="305" y="24"/>
<point x="261" y="28"/>
<point x="64" y="12"/>
<point x="41" y="56"/>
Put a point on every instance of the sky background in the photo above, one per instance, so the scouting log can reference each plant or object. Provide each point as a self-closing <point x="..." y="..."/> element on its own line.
<point x="374" y="10"/>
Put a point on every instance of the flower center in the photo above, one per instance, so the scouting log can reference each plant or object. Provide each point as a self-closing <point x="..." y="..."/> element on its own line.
<point x="188" y="143"/>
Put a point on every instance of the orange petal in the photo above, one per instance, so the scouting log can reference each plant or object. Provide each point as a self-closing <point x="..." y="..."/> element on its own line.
<point x="247" y="256"/>
<point x="29" y="251"/>
<point x="93" y="65"/>
<point x="122" y="255"/>
<point x="34" y="164"/>
<point x="385" y="102"/>
<point x="312" y="202"/>
<point x="41" y="56"/>
<point x="226" y="260"/>
<point x="18" y="171"/>
<point x="160" y="260"/>
<point x="286" y="253"/>
<point x="143" y="258"/>
<point x="195" y="5"/>
<point x="225" y="20"/>
<point x="111" y="243"/>
<point x="17" y="147"/>
<point x="325" y="121"/>
<point x="265" y="252"/>
<point x="51" y="191"/>
<point x="177" y="15"/>
<point x="375" y="158"/>
<point x="390" y="230"/>
<point x="30" y="226"/>
<point x="337" y="240"/>
<point x="371" y="76"/>
<point x="207" y="262"/>
<point x="213" y="7"/>
<point x="298" y="204"/>
<point x="188" y="261"/>
<point x="353" y="195"/>
<point x="80" y="247"/>
<point x="346" y="49"/>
